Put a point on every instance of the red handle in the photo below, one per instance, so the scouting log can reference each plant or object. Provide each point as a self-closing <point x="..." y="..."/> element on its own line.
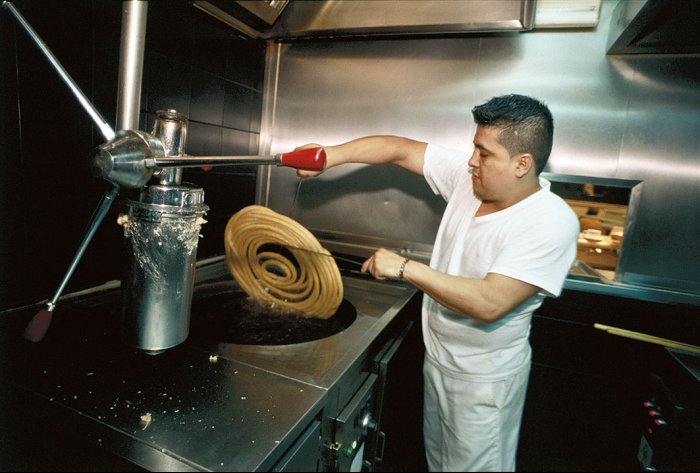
<point x="310" y="159"/>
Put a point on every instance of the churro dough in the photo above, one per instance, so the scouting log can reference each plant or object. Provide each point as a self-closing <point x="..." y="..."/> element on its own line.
<point x="263" y="254"/>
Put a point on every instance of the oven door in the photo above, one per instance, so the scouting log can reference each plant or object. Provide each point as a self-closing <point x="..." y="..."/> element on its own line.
<point x="358" y="443"/>
<point x="351" y="428"/>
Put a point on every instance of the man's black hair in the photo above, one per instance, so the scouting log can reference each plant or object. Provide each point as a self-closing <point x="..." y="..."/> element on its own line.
<point x="526" y="125"/>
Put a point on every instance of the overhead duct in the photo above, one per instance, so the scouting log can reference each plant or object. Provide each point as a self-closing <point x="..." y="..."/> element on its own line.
<point x="286" y="20"/>
<point x="250" y="17"/>
<point x="655" y="27"/>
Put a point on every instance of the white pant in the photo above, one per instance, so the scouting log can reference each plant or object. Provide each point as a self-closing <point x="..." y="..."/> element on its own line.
<point x="471" y="424"/>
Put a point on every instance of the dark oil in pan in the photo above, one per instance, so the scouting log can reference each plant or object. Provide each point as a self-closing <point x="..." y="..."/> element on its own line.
<point x="222" y="312"/>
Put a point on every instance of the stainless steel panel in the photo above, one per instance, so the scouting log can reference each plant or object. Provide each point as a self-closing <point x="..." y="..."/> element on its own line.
<point x="360" y="88"/>
<point x="615" y="117"/>
<point x="661" y="147"/>
<point x="372" y="17"/>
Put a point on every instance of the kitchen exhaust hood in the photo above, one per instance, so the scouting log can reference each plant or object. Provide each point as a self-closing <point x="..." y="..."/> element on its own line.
<point x="655" y="27"/>
<point x="295" y="19"/>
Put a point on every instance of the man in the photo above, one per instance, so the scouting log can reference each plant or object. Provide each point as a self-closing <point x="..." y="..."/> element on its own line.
<point x="504" y="243"/>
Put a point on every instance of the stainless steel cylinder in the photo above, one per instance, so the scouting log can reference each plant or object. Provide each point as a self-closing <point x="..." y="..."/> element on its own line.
<point x="171" y="128"/>
<point x="161" y="230"/>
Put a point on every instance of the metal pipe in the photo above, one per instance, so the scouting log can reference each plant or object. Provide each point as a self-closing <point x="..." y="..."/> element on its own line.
<point x="171" y="129"/>
<point x="133" y="35"/>
<point x="97" y="217"/>
<point x="101" y="123"/>
<point x="197" y="161"/>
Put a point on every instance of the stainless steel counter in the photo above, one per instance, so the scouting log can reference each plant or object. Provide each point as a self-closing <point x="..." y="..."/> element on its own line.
<point x="631" y="291"/>
<point x="201" y="405"/>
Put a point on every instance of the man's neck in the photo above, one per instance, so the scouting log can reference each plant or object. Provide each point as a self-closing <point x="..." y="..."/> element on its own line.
<point x="492" y="206"/>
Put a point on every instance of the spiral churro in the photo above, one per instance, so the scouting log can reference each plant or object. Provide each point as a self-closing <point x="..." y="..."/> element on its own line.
<point x="264" y="254"/>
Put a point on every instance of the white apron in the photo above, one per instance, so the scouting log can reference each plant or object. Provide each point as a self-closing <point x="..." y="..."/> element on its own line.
<point x="472" y="423"/>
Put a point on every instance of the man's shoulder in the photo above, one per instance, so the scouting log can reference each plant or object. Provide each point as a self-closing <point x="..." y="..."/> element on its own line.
<point x="550" y="198"/>
<point x="549" y="211"/>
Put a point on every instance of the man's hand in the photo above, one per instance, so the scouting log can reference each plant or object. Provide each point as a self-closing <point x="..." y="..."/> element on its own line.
<point x="383" y="264"/>
<point x="303" y="172"/>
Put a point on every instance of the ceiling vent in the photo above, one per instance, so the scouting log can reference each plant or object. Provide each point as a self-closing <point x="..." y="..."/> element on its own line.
<point x="655" y="27"/>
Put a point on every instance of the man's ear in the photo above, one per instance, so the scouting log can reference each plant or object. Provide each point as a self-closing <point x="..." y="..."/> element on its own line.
<point x="524" y="164"/>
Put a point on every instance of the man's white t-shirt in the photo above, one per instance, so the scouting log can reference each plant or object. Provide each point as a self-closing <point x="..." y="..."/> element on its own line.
<point x="533" y="241"/>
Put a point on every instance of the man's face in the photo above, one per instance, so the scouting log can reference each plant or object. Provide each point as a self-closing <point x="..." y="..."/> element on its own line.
<point x="493" y="170"/>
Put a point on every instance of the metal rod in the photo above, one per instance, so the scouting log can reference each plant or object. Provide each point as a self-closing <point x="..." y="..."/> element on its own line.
<point x="101" y="123"/>
<point x="133" y="36"/>
<point x="197" y="161"/>
<point x="92" y="227"/>
<point x="621" y="332"/>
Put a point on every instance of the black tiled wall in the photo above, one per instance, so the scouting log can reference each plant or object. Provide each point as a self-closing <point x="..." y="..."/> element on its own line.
<point x="193" y="64"/>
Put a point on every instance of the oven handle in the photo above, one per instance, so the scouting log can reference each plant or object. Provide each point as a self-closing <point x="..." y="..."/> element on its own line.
<point x="381" y="439"/>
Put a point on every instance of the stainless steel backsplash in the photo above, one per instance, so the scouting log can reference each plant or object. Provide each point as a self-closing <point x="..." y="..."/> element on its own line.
<point x="623" y="117"/>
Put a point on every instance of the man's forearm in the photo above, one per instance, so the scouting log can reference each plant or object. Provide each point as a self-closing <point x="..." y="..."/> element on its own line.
<point x="397" y="150"/>
<point x="486" y="299"/>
